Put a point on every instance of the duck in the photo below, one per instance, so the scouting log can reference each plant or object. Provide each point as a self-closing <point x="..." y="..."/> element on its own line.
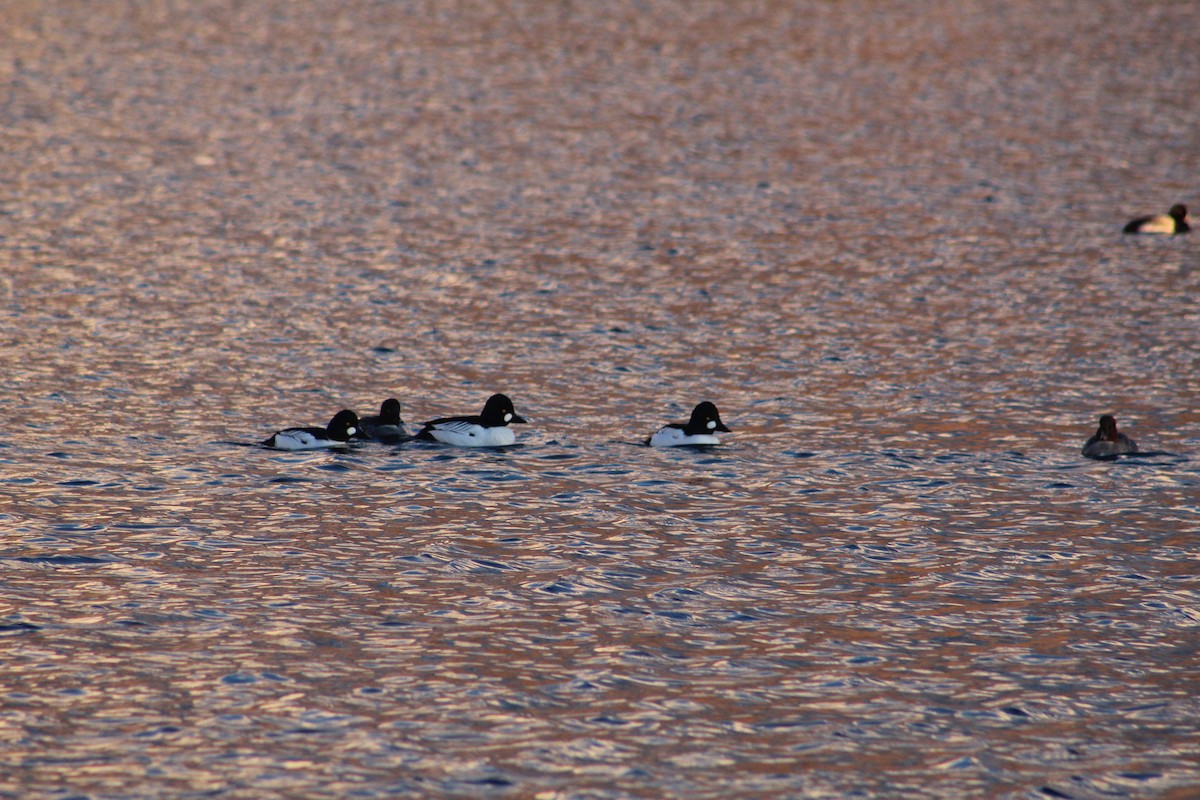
<point x="387" y="427"/>
<point x="1109" y="442"/>
<point x="705" y="422"/>
<point x="340" y="430"/>
<point x="1174" y="221"/>
<point x="489" y="428"/>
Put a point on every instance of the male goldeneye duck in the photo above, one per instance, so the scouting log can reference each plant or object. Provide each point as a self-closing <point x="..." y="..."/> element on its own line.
<point x="338" y="432"/>
<point x="387" y="427"/>
<point x="699" y="430"/>
<point x="1174" y="221"/>
<point x="1109" y="441"/>
<point x="488" y="429"/>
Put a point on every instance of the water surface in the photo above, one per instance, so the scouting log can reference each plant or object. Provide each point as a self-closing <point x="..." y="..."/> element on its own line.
<point x="885" y="241"/>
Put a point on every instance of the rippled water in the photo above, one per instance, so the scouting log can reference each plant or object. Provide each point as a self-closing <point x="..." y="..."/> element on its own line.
<point x="885" y="240"/>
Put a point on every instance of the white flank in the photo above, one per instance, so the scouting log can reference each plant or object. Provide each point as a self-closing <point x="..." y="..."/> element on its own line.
<point x="675" y="437"/>
<point x="1158" y="224"/>
<point x="299" y="440"/>
<point x="467" y="434"/>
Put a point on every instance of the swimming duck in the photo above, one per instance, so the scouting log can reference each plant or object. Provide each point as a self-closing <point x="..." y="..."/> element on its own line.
<point x="699" y="430"/>
<point x="1108" y="441"/>
<point x="387" y="426"/>
<point x="489" y="428"/>
<point x="339" y="431"/>
<point x="1174" y="221"/>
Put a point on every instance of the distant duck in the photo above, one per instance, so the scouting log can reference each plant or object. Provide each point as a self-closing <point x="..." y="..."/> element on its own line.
<point x="487" y="429"/>
<point x="387" y="427"/>
<point x="1108" y="441"/>
<point x="699" y="430"/>
<point x="1174" y="221"/>
<point x="338" y="432"/>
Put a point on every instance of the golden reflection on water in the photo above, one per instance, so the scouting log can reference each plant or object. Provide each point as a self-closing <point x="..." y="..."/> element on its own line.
<point x="896" y="578"/>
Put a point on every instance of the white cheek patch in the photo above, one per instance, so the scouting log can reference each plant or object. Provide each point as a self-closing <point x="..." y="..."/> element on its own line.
<point x="712" y="423"/>
<point x="351" y="430"/>
<point x="507" y="417"/>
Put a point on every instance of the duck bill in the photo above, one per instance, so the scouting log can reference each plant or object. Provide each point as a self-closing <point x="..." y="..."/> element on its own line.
<point x="517" y="419"/>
